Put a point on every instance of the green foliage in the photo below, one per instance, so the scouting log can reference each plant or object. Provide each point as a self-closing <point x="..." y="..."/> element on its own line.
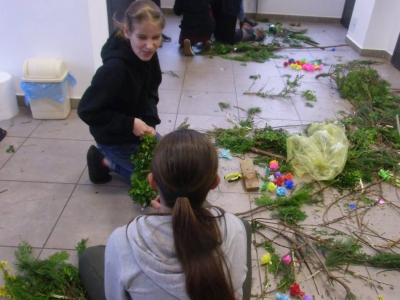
<point x="269" y="246"/>
<point x="309" y="95"/>
<point x="81" y="246"/>
<point x="46" y="279"/>
<point x="336" y="255"/>
<point x="271" y="139"/>
<point x="295" y="82"/>
<point x="224" y="105"/>
<point x="282" y="270"/>
<point x="253" y="110"/>
<point x="140" y="192"/>
<point x="235" y="139"/>
<point x="255" y="225"/>
<point x="308" y="104"/>
<point x="287" y="209"/>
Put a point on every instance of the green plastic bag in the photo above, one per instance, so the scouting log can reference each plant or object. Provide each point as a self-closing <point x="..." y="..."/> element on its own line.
<point x="322" y="154"/>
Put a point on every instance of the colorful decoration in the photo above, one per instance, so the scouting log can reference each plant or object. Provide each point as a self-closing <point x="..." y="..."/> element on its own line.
<point x="266" y="259"/>
<point x="273" y="165"/>
<point x="286" y="259"/>
<point x="271" y="178"/>
<point x="266" y="170"/>
<point x="226" y="153"/>
<point x="295" y="290"/>
<point x="288" y="176"/>
<point x="352" y="206"/>
<point x="277" y="174"/>
<point x="282" y="297"/>
<point x="271" y="187"/>
<point x="307" y="298"/>
<point x="281" y="191"/>
<point x="380" y="201"/>
<point x="303" y="64"/>
<point x="289" y="184"/>
<point x="264" y="187"/>
<point x="279" y="181"/>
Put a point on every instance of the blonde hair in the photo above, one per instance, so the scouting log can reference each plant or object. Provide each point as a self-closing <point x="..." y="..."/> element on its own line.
<point x="137" y="12"/>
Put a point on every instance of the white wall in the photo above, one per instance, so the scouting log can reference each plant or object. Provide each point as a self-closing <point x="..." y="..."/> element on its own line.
<point x="374" y="24"/>
<point x="317" y="8"/>
<point x="43" y="28"/>
<point x="360" y="21"/>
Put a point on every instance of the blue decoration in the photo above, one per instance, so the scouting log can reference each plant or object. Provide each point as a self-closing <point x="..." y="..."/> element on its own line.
<point x="291" y="61"/>
<point x="266" y="170"/>
<point x="281" y="191"/>
<point x="307" y="298"/>
<point x="226" y="153"/>
<point x="289" y="184"/>
<point x="277" y="174"/>
<point x="352" y="206"/>
<point x="333" y="49"/>
<point x="282" y="297"/>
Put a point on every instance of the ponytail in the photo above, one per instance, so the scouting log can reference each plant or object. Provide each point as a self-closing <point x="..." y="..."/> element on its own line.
<point x="197" y="241"/>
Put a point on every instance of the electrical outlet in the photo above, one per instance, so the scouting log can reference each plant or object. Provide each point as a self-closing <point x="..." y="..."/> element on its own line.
<point x="353" y="24"/>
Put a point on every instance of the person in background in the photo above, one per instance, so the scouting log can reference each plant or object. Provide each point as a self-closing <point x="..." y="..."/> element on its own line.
<point x="226" y="13"/>
<point x="197" y="24"/>
<point x="242" y="18"/>
<point x="3" y="134"/>
<point x="120" y="105"/>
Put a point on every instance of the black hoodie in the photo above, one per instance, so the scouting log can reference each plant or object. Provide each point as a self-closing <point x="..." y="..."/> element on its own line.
<point x="123" y="88"/>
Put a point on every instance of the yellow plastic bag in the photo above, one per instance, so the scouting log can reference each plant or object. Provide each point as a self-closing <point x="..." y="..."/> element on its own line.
<point x="322" y="154"/>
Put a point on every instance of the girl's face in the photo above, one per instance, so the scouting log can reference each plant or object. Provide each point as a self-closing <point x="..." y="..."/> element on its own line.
<point x="145" y="39"/>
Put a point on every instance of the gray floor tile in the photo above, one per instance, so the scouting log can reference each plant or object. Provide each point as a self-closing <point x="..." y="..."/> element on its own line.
<point x="117" y="180"/>
<point x="47" y="160"/>
<point x="72" y="128"/>
<point x="169" y="101"/>
<point x="230" y="202"/>
<point x="22" y="125"/>
<point x="205" y="64"/>
<point x="30" y="211"/>
<point x="168" y="122"/>
<point x="93" y="212"/>
<point x="203" y="123"/>
<point x="211" y="82"/>
<point x="207" y="103"/>
<point x="171" y="82"/>
<point x="5" y="145"/>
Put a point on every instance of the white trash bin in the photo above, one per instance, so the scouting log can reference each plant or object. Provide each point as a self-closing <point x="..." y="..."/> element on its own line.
<point x="47" y="71"/>
<point x="8" y="99"/>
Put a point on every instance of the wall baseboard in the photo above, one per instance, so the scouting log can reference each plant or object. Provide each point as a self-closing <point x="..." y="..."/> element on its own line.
<point x="277" y="17"/>
<point x="21" y="101"/>
<point x="368" y="52"/>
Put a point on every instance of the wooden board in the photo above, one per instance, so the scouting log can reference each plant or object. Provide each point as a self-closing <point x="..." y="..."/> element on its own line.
<point x="250" y="177"/>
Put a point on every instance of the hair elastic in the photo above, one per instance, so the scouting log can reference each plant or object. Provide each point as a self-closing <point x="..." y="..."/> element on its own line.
<point x="181" y="193"/>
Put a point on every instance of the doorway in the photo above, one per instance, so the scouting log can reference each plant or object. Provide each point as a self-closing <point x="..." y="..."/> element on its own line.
<point x="116" y="8"/>
<point x="347" y="13"/>
<point x="396" y="55"/>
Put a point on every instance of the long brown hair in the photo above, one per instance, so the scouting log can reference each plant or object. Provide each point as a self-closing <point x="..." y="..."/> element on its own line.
<point x="185" y="166"/>
<point x="137" y="12"/>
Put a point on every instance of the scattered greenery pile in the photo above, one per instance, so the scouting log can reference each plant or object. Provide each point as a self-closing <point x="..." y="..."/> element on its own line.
<point x="51" y="278"/>
<point x="287" y="209"/>
<point x="371" y="129"/>
<point x="241" y="138"/>
<point x="141" y="192"/>
<point x="260" y="52"/>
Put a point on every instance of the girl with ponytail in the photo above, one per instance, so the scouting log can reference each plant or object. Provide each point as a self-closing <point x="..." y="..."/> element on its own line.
<point x="186" y="250"/>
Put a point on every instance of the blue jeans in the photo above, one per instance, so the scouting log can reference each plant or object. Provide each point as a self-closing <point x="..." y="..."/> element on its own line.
<point x="241" y="15"/>
<point x="119" y="157"/>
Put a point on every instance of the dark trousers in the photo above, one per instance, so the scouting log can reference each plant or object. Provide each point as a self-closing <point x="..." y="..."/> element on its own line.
<point x="91" y="269"/>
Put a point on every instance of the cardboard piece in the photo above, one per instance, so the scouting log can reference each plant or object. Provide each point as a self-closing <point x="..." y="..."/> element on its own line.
<point x="250" y="177"/>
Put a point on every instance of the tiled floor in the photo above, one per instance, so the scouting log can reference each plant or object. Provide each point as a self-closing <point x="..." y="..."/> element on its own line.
<point x="47" y="199"/>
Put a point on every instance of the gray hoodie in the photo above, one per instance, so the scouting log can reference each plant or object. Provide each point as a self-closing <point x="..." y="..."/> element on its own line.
<point x="141" y="263"/>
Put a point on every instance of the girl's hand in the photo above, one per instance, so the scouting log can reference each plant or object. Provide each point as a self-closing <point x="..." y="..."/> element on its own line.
<point x="156" y="203"/>
<point x="140" y="128"/>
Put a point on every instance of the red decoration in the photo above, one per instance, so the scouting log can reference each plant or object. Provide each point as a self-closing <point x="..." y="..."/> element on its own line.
<point x="295" y="290"/>
<point x="279" y="181"/>
<point x="288" y="176"/>
<point x="285" y="63"/>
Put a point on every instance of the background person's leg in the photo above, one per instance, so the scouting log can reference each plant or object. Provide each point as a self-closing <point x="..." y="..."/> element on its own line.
<point x="91" y="271"/>
<point x="119" y="157"/>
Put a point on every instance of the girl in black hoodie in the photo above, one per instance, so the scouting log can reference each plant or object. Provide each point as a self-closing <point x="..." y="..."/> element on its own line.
<point x="120" y="105"/>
